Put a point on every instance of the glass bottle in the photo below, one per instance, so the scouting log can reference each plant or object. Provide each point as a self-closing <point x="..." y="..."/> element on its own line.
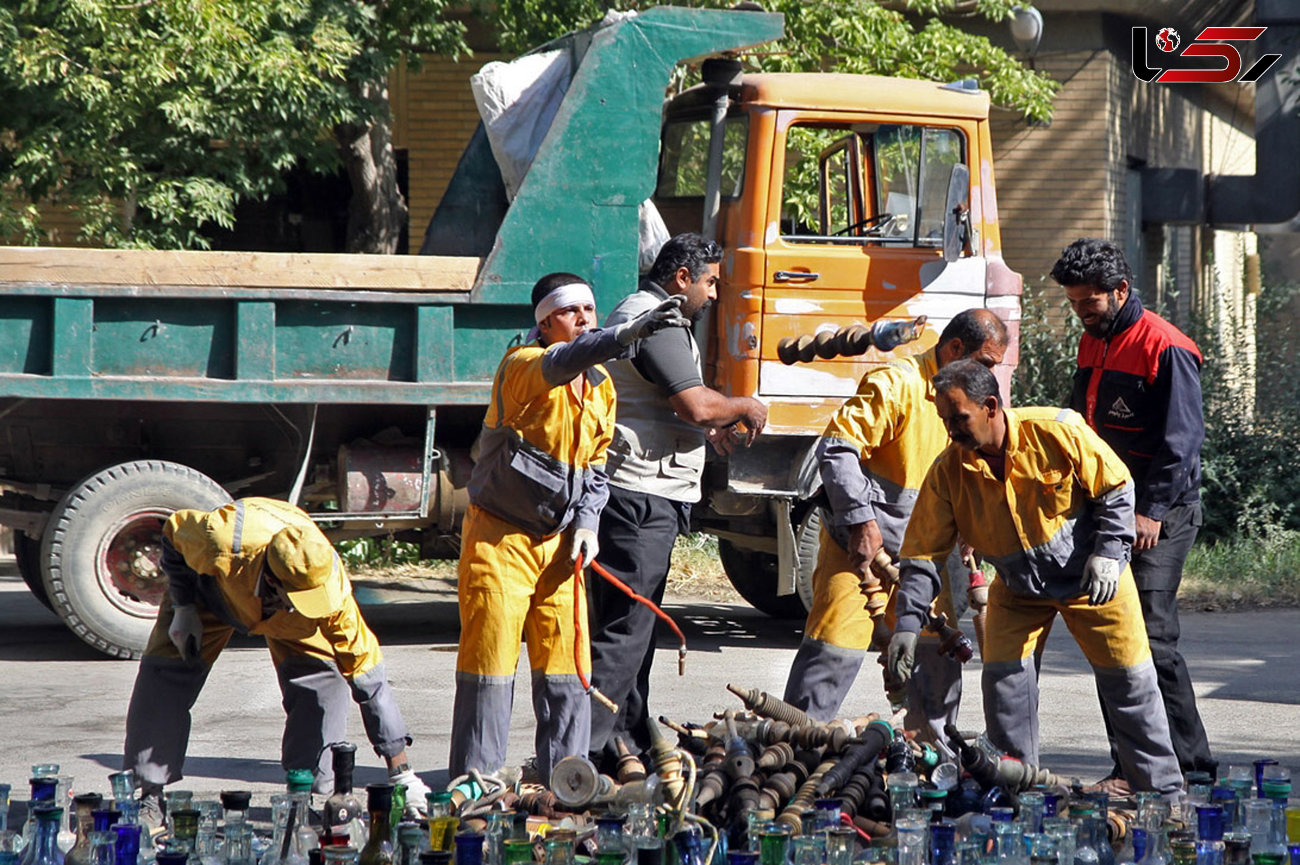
<point x="1236" y="848"/>
<point x="340" y="854"/>
<point x="304" y="840"/>
<point x="1042" y="850"/>
<point x="185" y="829"/>
<point x="410" y="841"/>
<point x="1032" y="805"/>
<point x="379" y="847"/>
<point x="902" y="792"/>
<point x="43" y="792"/>
<point x="774" y="844"/>
<point x="469" y="848"/>
<point x="742" y="857"/>
<point x="123" y="785"/>
<point x="442" y="823"/>
<point x="171" y="854"/>
<point x="205" y="845"/>
<point x="173" y="801"/>
<point x="557" y="849"/>
<point x="518" y="851"/>
<point x="435" y="857"/>
<point x="1209" y="835"/>
<point x="609" y="837"/>
<point x="342" y="811"/>
<point x="1182" y="847"/>
<point x="5" y="790"/>
<point x="943" y="841"/>
<point x="689" y="844"/>
<point x="126" y="846"/>
<point x="1085" y="848"/>
<point x="79" y="853"/>
<point x="101" y="847"/>
<point x="44" y="846"/>
<point x="1065" y="834"/>
<point x="912" y="830"/>
<point x="1009" y="844"/>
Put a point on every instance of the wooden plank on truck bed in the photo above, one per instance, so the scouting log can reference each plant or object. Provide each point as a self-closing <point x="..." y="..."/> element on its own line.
<point x="148" y="267"/>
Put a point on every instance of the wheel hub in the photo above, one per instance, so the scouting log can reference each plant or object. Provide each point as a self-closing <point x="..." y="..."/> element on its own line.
<point x="128" y="562"/>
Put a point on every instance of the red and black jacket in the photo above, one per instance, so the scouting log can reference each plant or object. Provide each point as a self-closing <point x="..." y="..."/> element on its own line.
<point x="1140" y="389"/>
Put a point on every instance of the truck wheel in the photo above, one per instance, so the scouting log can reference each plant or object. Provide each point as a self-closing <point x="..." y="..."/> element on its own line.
<point x="103" y="545"/>
<point x="753" y="573"/>
<point x="27" y="553"/>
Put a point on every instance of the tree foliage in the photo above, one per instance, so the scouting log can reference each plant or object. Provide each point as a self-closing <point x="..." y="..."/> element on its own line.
<point x="905" y="38"/>
<point x="152" y="119"/>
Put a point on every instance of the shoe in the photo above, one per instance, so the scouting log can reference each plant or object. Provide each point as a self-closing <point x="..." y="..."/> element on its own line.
<point x="151" y="813"/>
<point x="1113" y="785"/>
<point x="529" y="773"/>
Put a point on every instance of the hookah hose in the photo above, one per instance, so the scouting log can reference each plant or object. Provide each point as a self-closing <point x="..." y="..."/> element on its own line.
<point x="577" y="626"/>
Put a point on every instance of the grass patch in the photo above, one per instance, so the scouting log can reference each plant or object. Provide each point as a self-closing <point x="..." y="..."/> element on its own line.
<point x="1244" y="572"/>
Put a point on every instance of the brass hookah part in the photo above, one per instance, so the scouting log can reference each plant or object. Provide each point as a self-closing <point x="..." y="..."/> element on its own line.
<point x="668" y="766"/>
<point x="630" y="768"/>
<point x="849" y="341"/>
<point x="763" y="703"/>
<point x="775" y="757"/>
<point x="714" y="781"/>
<point x="792" y="814"/>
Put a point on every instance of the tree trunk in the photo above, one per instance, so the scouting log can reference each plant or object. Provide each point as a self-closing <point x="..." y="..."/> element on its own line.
<point x="377" y="213"/>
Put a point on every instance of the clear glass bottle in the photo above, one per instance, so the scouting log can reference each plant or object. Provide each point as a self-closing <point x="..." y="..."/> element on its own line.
<point x="841" y="842"/>
<point x="442" y="823"/>
<point x="557" y="848"/>
<point x="902" y="791"/>
<point x="609" y="836"/>
<point x="5" y="790"/>
<point x="123" y="785"/>
<point x="101" y="847"/>
<point x="1009" y="844"/>
<point x="173" y="801"/>
<point x="342" y="812"/>
<point x="411" y="839"/>
<point x="912" y="830"/>
<point x="205" y="849"/>
<point x="185" y="829"/>
<point x="340" y="854"/>
<point x="379" y="846"/>
<point x="44" y="846"/>
<point x="1032" y="805"/>
<point x="304" y="841"/>
<point x="1236" y="848"/>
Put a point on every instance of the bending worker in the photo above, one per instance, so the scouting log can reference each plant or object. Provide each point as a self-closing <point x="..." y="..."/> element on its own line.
<point x="1040" y="496"/>
<point x="665" y="412"/>
<point x="873" y="455"/>
<point x="536" y="493"/>
<point x="261" y="566"/>
<point x="1139" y="386"/>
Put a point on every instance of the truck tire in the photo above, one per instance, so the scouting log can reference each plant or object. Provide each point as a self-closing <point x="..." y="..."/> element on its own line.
<point x="753" y="573"/>
<point x="102" y="549"/>
<point x="27" y="554"/>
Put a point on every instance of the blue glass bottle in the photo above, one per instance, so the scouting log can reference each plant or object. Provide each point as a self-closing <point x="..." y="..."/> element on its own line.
<point x="44" y="846"/>
<point x="943" y="843"/>
<point x="1209" y="835"/>
<point x="126" y="849"/>
<point x="469" y="848"/>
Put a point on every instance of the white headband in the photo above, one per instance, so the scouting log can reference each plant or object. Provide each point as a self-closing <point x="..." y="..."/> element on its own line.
<point x="563" y="297"/>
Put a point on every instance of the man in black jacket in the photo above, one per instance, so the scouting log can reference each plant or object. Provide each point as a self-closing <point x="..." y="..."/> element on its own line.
<point x="1139" y="386"/>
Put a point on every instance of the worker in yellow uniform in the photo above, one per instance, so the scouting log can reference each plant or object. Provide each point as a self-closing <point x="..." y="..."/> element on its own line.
<point x="261" y="566"/>
<point x="1042" y="498"/>
<point x="872" y="457"/>
<point x="536" y="492"/>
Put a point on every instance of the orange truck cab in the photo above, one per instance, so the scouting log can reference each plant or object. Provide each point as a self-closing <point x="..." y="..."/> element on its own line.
<point x="834" y="197"/>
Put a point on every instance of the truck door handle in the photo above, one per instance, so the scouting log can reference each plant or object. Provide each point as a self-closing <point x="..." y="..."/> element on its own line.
<point x="795" y="276"/>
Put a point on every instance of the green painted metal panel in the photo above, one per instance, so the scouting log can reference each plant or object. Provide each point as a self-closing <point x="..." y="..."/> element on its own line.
<point x="577" y="207"/>
<point x="345" y="341"/>
<point x="72" y="331"/>
<point x="181" y="337"/>
<point x="25" y="335"/>
<point x="483" y="333"/>
<point x="184" y="389"/>
<point x="254" y="346"/>
<point x="435" y="341"/>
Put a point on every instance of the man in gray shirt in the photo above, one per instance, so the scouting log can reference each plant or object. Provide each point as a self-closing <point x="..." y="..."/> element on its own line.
<point x="665" y="414"/>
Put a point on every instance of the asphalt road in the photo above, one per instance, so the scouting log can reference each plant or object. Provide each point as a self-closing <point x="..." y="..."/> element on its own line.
<point x="64" y="703"/>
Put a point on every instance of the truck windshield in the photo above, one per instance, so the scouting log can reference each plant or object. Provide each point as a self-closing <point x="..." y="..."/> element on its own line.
<point x="684" y="157"/>
<point x="876" y="183"/>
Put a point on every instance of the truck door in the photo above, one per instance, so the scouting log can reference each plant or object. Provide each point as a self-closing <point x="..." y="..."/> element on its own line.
<point x="855" y="235"/>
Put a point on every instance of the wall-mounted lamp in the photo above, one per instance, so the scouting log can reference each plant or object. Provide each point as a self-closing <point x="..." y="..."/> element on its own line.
<point x="1026" y="29"/>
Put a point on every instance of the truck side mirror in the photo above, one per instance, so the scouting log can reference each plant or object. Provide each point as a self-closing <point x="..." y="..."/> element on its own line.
<point x="956" y="217"/>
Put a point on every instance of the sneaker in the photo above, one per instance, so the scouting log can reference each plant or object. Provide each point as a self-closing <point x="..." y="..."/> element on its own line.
<point x="151" y="813"/>
<point x="1113" y="785"/>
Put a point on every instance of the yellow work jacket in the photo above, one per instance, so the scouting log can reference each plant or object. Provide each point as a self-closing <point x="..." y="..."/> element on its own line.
<point x="1065" y="496"/>
<point x="223" y="552"/>
<point x="878" y="446"/>
<point x="540" y="461"/>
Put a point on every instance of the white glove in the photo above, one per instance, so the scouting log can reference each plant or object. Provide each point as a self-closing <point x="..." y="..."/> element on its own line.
<point x="666" y="314"/>
<point x="1100" y="579"/>
<point x="900" y="656"/>
<point x="417" y="792"/>
<point x="584" y="543"/>
<point x="186" y="631"/>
